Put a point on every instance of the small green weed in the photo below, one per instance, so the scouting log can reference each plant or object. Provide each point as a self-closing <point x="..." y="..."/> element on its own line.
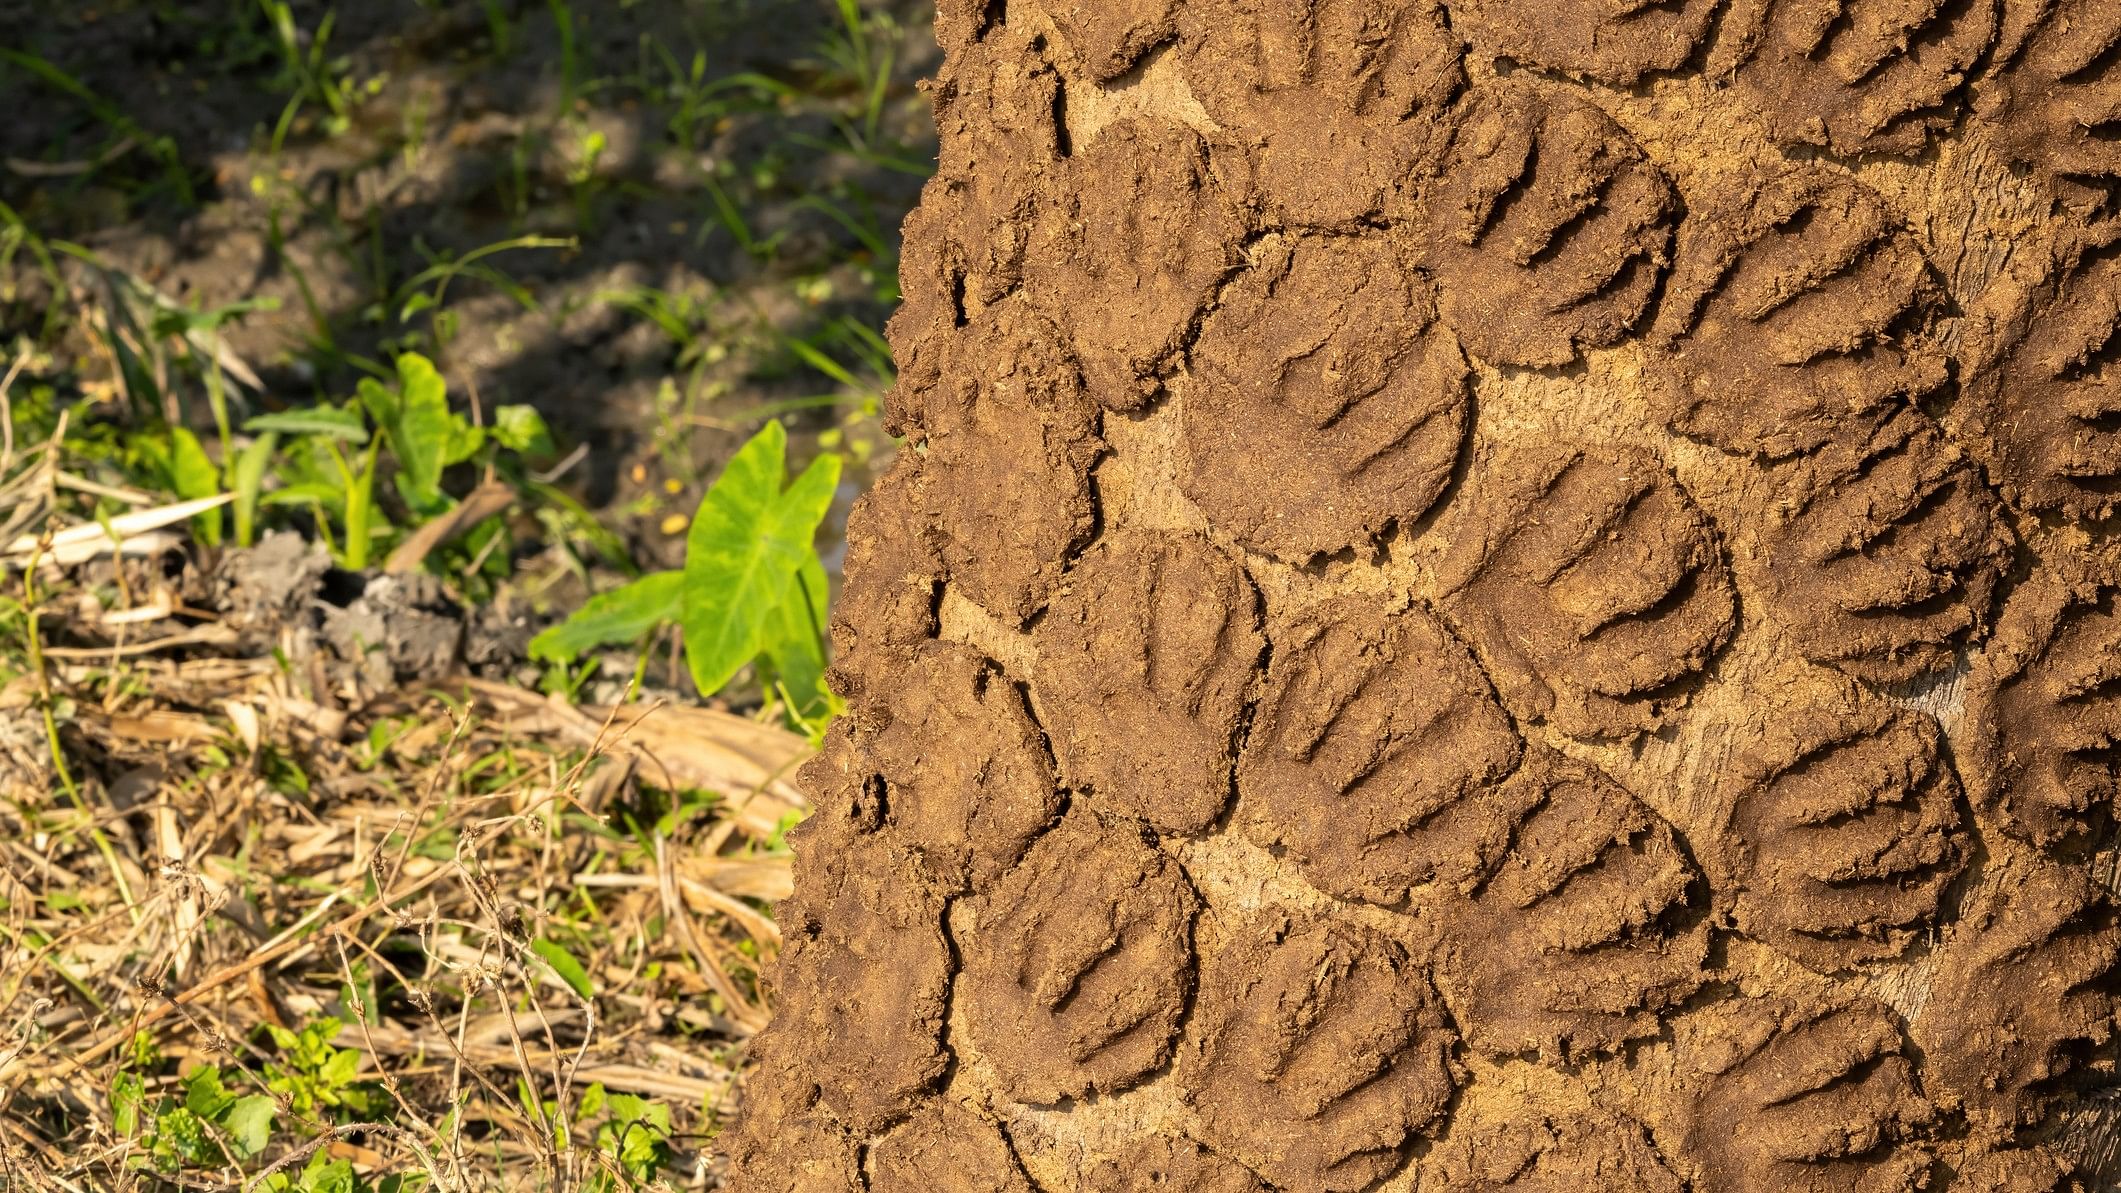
<point x="215" y="1119"/>
<point x="311" y="74"/>
<point x="633" y="1133"/>
<point x="334" y="453"/>
<point x="123" y="129"/>
<point x="315" y="1077"/>
<point x="222" y="1120"/>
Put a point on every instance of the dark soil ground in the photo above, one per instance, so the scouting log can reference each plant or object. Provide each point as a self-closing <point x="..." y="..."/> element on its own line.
<point x="710" y="171"/>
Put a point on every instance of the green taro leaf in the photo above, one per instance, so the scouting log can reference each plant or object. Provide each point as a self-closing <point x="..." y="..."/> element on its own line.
<point x="333" y="422"/>
<point x="564" y="964"/>
<point x="622" y="615"/>
<point x="795" y="638"/>
<point x="747" y="542"/>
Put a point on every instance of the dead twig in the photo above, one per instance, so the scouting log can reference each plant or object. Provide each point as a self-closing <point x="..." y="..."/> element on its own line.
<point x="333" y="1135"/>
<point x="149" y="1016"/>
<point x="486" y="501"/>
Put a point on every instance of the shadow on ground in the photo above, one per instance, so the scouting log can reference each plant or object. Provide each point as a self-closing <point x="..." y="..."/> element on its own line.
<point x="690" y="188"/>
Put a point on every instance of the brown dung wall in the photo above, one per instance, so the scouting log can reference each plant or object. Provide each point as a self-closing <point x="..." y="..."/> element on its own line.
<point x="1510" y="594"/>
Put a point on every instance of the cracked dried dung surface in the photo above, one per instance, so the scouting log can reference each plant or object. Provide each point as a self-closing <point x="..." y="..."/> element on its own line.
<point x="1482" y="595"/>
<point x="1330" y="405"/>
<point x="1145" y="670"/>
<point x="1077" y="975"/>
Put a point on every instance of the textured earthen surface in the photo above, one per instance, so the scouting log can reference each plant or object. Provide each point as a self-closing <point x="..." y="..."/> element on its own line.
<point x="1145" y="673"/>
<point x="1331" y="404"/>
<point x="1078" y="971"/>
<point x="1380" y="720"/>
<point x="1322" y="1049"/>
<point x="1584" y="931"/>
<point x="1482" y="595"/>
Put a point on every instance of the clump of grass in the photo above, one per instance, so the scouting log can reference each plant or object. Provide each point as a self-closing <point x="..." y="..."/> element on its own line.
<point x="490" y="949"/>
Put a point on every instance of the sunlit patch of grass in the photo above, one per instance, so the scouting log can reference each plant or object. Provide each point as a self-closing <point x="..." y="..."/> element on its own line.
<point x="489" y="946"/>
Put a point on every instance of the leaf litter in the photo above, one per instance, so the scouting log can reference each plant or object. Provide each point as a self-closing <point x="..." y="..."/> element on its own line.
<point x="246" y="794"/>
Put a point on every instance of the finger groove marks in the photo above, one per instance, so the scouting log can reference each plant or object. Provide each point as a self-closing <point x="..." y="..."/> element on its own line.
<point x="1883" y="550"/>
<point x="2043" y="713"/>
<point x="1325" y="1050"/>
<point x="1078" y="972"/>
<point x="1327" y="405"/>
<point x="1590" y="586"/>
<point x="1145" y="661"/>
<point x="1797" y="306"/>
<point x="2054" y="98"/>
<point x="1133" y="252"/>
<point x="1839" y="832"/>
<point x="1796" y="1097"/>
<point x="1610" y="41"/>
<point x="1581" y="938"/>
<point x="2046" y="410"/>
<point x="1546" y="226"/>
<point x="1329" y="101"/>
<point x="1570" y="1152"/>
<point x="2047" y="935"/>
<point x="1376" y="754"/>
<point x="1854" y="76"/>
